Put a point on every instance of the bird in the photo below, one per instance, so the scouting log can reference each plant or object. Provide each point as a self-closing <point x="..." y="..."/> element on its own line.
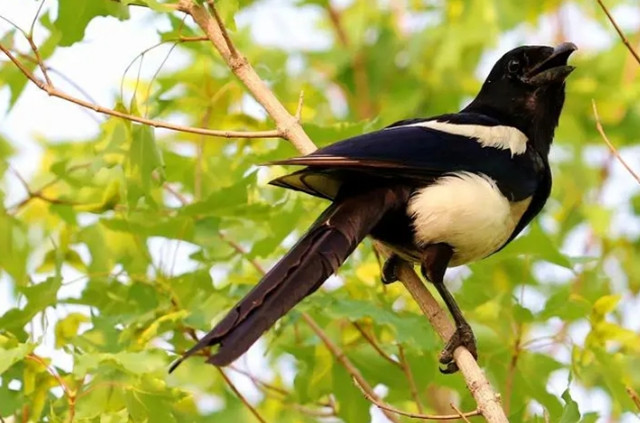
<point x="437" y="192"/>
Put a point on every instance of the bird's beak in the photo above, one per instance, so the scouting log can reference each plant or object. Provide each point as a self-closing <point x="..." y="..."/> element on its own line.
<point x="554" y="68"/>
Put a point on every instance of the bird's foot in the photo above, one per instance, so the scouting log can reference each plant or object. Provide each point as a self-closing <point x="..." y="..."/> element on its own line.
<point x="462" y="337"/>
<point x="390" y="269"/>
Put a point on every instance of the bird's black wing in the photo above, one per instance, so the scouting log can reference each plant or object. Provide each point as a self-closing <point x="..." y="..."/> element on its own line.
<point x="415" y="155"/>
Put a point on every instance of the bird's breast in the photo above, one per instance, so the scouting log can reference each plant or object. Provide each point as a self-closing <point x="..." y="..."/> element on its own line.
<point x="467" y="211"/>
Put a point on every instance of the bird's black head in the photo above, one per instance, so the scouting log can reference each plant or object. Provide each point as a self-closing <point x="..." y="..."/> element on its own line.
<point x="525" y="89"/>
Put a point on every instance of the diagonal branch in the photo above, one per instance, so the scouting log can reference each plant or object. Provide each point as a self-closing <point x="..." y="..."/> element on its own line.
<point x="347" y="364"/>
<point x="369" y="338"/>
<point x="54" y="92"/>
<point x="613" y="149"/>
<point x="619" y="31"/>
<point x="287" y="124"/>
<point x="246" y="403"/>
<point x="488" y="401"/>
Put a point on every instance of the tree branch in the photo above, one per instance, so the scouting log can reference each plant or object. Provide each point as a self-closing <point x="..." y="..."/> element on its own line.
<point x="619" y="31"/>
<point x="369" y="338"/>
<point x="364" y="105"/>
<point x="287" y="124"/>
<point x="488" y="401"/>
<point x="69" y="393"/>
<point x="409" y="375"/>
<point x="347" y="364"/>
<point x="613" y="149"/>
<point x="49" y="89"/>
<point x="634" y="396"/>
<point x="460" y="413"/>
<point x="239" y="395"/>
<point x="384" y="406"/>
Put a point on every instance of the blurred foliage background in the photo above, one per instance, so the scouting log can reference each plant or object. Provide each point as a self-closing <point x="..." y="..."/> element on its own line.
<point x="122" y="246"/>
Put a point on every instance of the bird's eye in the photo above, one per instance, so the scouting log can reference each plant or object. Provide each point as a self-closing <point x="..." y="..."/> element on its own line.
<point x="513" y="66"/>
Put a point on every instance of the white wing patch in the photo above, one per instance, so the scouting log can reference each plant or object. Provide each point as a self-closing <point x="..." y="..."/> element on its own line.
<point x="500" y="136"/>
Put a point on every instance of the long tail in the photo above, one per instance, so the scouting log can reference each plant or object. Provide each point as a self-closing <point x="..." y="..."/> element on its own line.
<point x="317" y="255"/>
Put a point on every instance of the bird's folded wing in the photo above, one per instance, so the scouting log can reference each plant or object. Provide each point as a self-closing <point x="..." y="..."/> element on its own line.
<point x="411" y="153"/>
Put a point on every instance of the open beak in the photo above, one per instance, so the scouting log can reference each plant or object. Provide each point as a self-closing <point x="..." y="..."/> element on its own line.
<point x="554" y="68"/>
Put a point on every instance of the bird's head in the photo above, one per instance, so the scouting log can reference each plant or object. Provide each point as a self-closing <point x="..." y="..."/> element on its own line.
<point x="525" y="89"/>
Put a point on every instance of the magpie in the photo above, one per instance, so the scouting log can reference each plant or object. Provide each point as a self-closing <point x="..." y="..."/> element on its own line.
<point x="439" y="192"/>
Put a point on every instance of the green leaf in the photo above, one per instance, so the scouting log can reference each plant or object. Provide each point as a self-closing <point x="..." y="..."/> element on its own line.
<point x="75" y="15"/>
<point x="522" y="314"/>
<point x="408" y="328"/>
<point x="352" y="406"/>
<point x="14" y="245"/>
<point x="6" y="150"/>
<point x="136" y="363"/>
<point x="227" y="10"/>
<point x="227" y="201"/>
<point x="538" y="244"/>
<point x="605" y="304"/>
<point x="9" y="357"/>
<point x="39" y="297"/>
<point x="570" y="413"/>
<point x="144" y="157"/>
<point x="10" y="401"/>
<point x="67" y="328"/>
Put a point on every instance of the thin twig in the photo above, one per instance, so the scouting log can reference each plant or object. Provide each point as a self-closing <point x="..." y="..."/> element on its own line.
<point x="181" y="198"/>
<point x="609" y="144"/>
<point x="175" y="41"/>
<point x="241" y="397"/>
<point x="38" y="193"/>
<point x="634" y="396"/>
<point x="274" y="133"/>
<point x="282" y="394"/>
<point x="242" y="252"/>
<point x="513" y="366"/>
<point x="36" y="52"/>
<point x="155" y="76"/>
<point x="168" y="6"/>
<point x="386" y="407"/>
<point x="223" y="28"/>
<point x="346" y="363"/>
<point x="460" y="413"/>
<point x="35" y="18"/>
<point x="362" y="94"/>
<point x="409" y="375"/>
<point x="259" y="382"/>
<point x="68" y="393"/>
<point x="35" y="194"/>
<point x="60" y="74"/>
<point x="619" y="31"/>
<point x="369" y="338"/>
<point x="51" y="371"/>
<point x="298" y="114"/>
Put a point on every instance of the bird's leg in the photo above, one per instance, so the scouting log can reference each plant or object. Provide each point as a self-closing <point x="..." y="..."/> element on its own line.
<point x="390" y="269"/>
<point x="435" y="259"/>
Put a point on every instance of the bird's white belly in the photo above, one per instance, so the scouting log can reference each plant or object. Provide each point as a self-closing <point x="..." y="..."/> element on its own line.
<point x="466" y="211"/>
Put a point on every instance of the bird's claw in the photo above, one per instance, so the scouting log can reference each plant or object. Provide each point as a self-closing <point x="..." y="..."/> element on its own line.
<point x="390" y="269"/>
<point x="462" y="337"/>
